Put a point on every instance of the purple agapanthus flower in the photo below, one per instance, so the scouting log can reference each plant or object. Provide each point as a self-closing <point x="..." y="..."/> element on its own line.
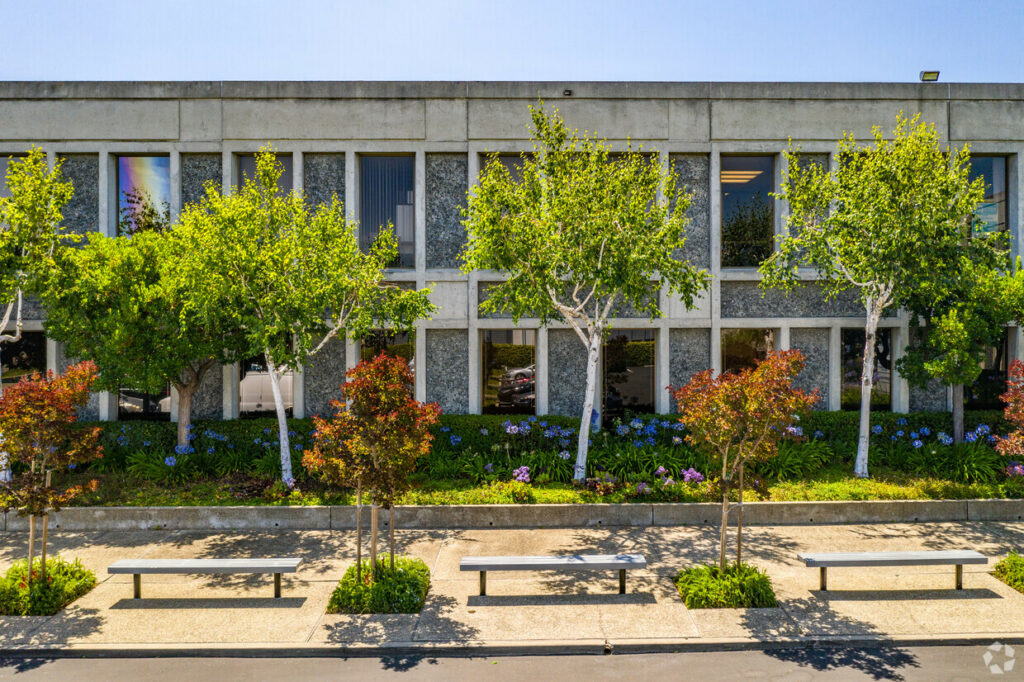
<point x="522" y="474"/>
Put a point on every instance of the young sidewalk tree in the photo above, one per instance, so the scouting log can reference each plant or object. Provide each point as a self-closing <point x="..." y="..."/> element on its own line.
<point x="740" y="417"/>
<point x="116" y="301"/>
<point x="878" y="224"/>
<point x="580" y="235"/>
<point x="374" y="439"/>
<point x="38" y="420"/>
<point x="290" y="278"/>
<point x="30" y="230"/>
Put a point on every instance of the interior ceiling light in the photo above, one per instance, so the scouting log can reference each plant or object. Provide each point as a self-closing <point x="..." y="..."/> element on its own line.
<point x="929" y="76"/>
<point x="740" y="175"/>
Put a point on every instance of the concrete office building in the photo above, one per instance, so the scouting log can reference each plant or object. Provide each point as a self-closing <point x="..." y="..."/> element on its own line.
<point x="408" y="153"/>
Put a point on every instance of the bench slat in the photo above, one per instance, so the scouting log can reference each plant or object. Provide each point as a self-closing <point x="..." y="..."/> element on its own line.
<point x="576" y="562"/>
<point x="143" y="566"/>
<point x="922" y="558"/>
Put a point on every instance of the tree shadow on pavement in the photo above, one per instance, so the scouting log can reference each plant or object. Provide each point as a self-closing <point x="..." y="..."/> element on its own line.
<point x="880" y="663"/>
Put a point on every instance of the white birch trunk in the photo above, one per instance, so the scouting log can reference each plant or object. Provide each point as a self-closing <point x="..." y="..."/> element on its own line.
<point x="6" y="476"/>
<point x="860" y="469"/>
<point x="580" y="472"/>
<point x="282" y="421"/>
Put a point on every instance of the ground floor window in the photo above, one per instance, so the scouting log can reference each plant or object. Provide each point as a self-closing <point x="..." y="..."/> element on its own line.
<point x="627" y="373"/>
<point x="984" y="393"/>
<point x="23" y="357"/>
<point x="744" y="348"/>
<point x="395" y="344"/>
<point x="132" y="404"/>
<point x="508" y="370"/>
<point x="852" y="343"/>
<point x="256" y="395"/>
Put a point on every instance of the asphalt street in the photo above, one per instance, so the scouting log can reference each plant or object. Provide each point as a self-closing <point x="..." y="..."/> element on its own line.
<point x="913" y="663"/>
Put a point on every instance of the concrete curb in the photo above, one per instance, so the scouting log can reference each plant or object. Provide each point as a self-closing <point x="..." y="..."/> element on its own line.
<point x="428" y="517"/>
<point x="498" y="648"/>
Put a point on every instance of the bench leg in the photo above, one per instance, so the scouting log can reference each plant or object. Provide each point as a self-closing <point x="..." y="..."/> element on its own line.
<point x="277" y="586"/>
<point x="622" y="581"/>
<point x="824" y="579"/>
<point x="137" y="580"/>
<point x="483" y="583"/>
<point x="959" y="577"/>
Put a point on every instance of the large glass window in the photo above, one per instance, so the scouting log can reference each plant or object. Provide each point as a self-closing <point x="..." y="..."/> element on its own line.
<point x="744" y="348"/>
<point x="852" y="342"/>
<point x="628" y="373"/>
<point x="22" y="358"/>
<point x="143" y="193"/>
<point x="748" y="212"/>
<point x="509" y="369"/>
<point x="992" y="210"/>
<point x="255" y="393"/>
<point x="247" y="170"/>
<point x="387" y="197"/>
<point x="132" y="404"/>
<point x="984" y="393"/>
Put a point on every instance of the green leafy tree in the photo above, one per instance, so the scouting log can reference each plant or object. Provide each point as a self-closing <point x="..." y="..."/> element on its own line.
<point x="290" y="278"/>
<point x="878" y="224"/>
<point x="961" y="313"/>
<point x="118" y="302"/>
<point x="740" y="417"/>
<point x="578" y="236"/>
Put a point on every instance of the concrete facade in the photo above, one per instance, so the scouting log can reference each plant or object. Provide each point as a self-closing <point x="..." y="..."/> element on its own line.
<point x="448" y="127"/>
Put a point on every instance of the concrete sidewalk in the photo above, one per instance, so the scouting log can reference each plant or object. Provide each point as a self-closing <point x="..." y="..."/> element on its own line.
<point x="525" y="611"/>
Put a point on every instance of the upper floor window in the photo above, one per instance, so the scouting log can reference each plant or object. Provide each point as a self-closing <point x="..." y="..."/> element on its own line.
<point x="387" y="194"/>
<point x="748" y="211"/>
<point x="247" y="170"/>
<point x="143" y="193"/>
<point x="992" y="210"/>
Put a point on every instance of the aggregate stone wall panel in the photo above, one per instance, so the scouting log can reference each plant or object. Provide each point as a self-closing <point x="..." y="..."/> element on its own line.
<point x="482" y="294"/>
<point x="694" y="176"/>
<point x="208" y="401"/>
<point x="744" y="299"/>
<point x="323" y="175"/>
<point x="447" y="184"/>
<point x="323" y="376"/>
<point x="689" y="352"/>
<point x="931" y="398"/>
<point x="814" y="345"/>
<point x="196" y="171"/>
<point x="31" y="309"/>
<point x="567" y="373"/>
<point x="447" y="359"/>
<point x="82" y="213"/>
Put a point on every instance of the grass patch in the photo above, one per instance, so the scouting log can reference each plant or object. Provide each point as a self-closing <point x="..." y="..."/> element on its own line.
<point x="739" y="586"/>
<point x="1011" y="571"/>
<point x="65" y="582"/>
<point x="401" y="589"/>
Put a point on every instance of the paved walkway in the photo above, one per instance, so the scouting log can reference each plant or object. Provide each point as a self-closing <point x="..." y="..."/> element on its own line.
<point x="585" y="610"/>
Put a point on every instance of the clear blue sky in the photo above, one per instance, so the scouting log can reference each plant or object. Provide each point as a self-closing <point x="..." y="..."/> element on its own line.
<point x="722" y="40"/>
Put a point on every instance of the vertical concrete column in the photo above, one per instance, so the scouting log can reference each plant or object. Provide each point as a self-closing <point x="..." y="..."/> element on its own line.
<point x="421" y="363"/>
<point x="784" y="337"/>
<point x="51" y="345"/>
<point x="715" y="197"/>
<point x="229" y="373"/>
<point x="474" y="372"/>
<point x="472" y="317"/>
<point x="540" y="387"/>
<point x="107" y="194"/>
<point x="781" y="207"/>
<point x="174" y="405"/>
<point x="175" y="164"/>
<point x="298" y="378"/>
<point x="662" y="370"/>
<point x="835" y="368"/>
<point x="900" y="386"/>
<point x="420" y="252"/>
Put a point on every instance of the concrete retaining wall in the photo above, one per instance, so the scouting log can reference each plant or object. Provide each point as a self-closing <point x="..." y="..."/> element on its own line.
<point x="522" y="516"/>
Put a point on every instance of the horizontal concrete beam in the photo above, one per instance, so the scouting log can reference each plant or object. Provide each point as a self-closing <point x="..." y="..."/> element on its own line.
<point x="523" y="516"/>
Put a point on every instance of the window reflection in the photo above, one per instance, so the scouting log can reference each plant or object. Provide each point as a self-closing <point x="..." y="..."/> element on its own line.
<point x="744" y="348"/>
<point x="24" y="357"/>
<point x="748" y="211"/>
<point x="255" y="393"/>
<point x="992" y="210"/>
<point x="984" y="393"/>
<point x="628" y="373"/>
<point x="247" y="171"/>
<point x="852" y="342"/>
<point x="132" y="404"/>
<point x="143" y="193"/>
<point x="387" y="197"/>
<point x="393" y="344"/>
<point x="509" y="368"/>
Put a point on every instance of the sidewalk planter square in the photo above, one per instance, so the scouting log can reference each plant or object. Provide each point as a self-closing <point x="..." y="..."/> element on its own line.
<point x="65" y="582"/>
<point x="739" y="586"/>
<point x="401" y="589"/>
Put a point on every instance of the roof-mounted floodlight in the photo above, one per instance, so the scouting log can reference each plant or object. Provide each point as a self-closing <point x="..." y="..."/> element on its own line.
<point x="929" y="76"/>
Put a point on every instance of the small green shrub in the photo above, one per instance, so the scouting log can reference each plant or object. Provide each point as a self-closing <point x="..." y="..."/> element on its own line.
<point x="504" y="492"/>
<point x="1011" y="571"/>
<point x="65" y="582"/>
<point x="739" y="586"/>
<point x="399" y="590"/>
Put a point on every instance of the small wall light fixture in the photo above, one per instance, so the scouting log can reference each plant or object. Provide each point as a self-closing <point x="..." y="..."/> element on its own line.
<point x="567" y="93"/>
<point x="929" y="76"/>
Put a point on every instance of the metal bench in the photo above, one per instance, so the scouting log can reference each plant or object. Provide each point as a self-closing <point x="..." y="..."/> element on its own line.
<point x="137" y="567"/>
<point x="576" y="562"/>
<point x="936" y="558"/>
